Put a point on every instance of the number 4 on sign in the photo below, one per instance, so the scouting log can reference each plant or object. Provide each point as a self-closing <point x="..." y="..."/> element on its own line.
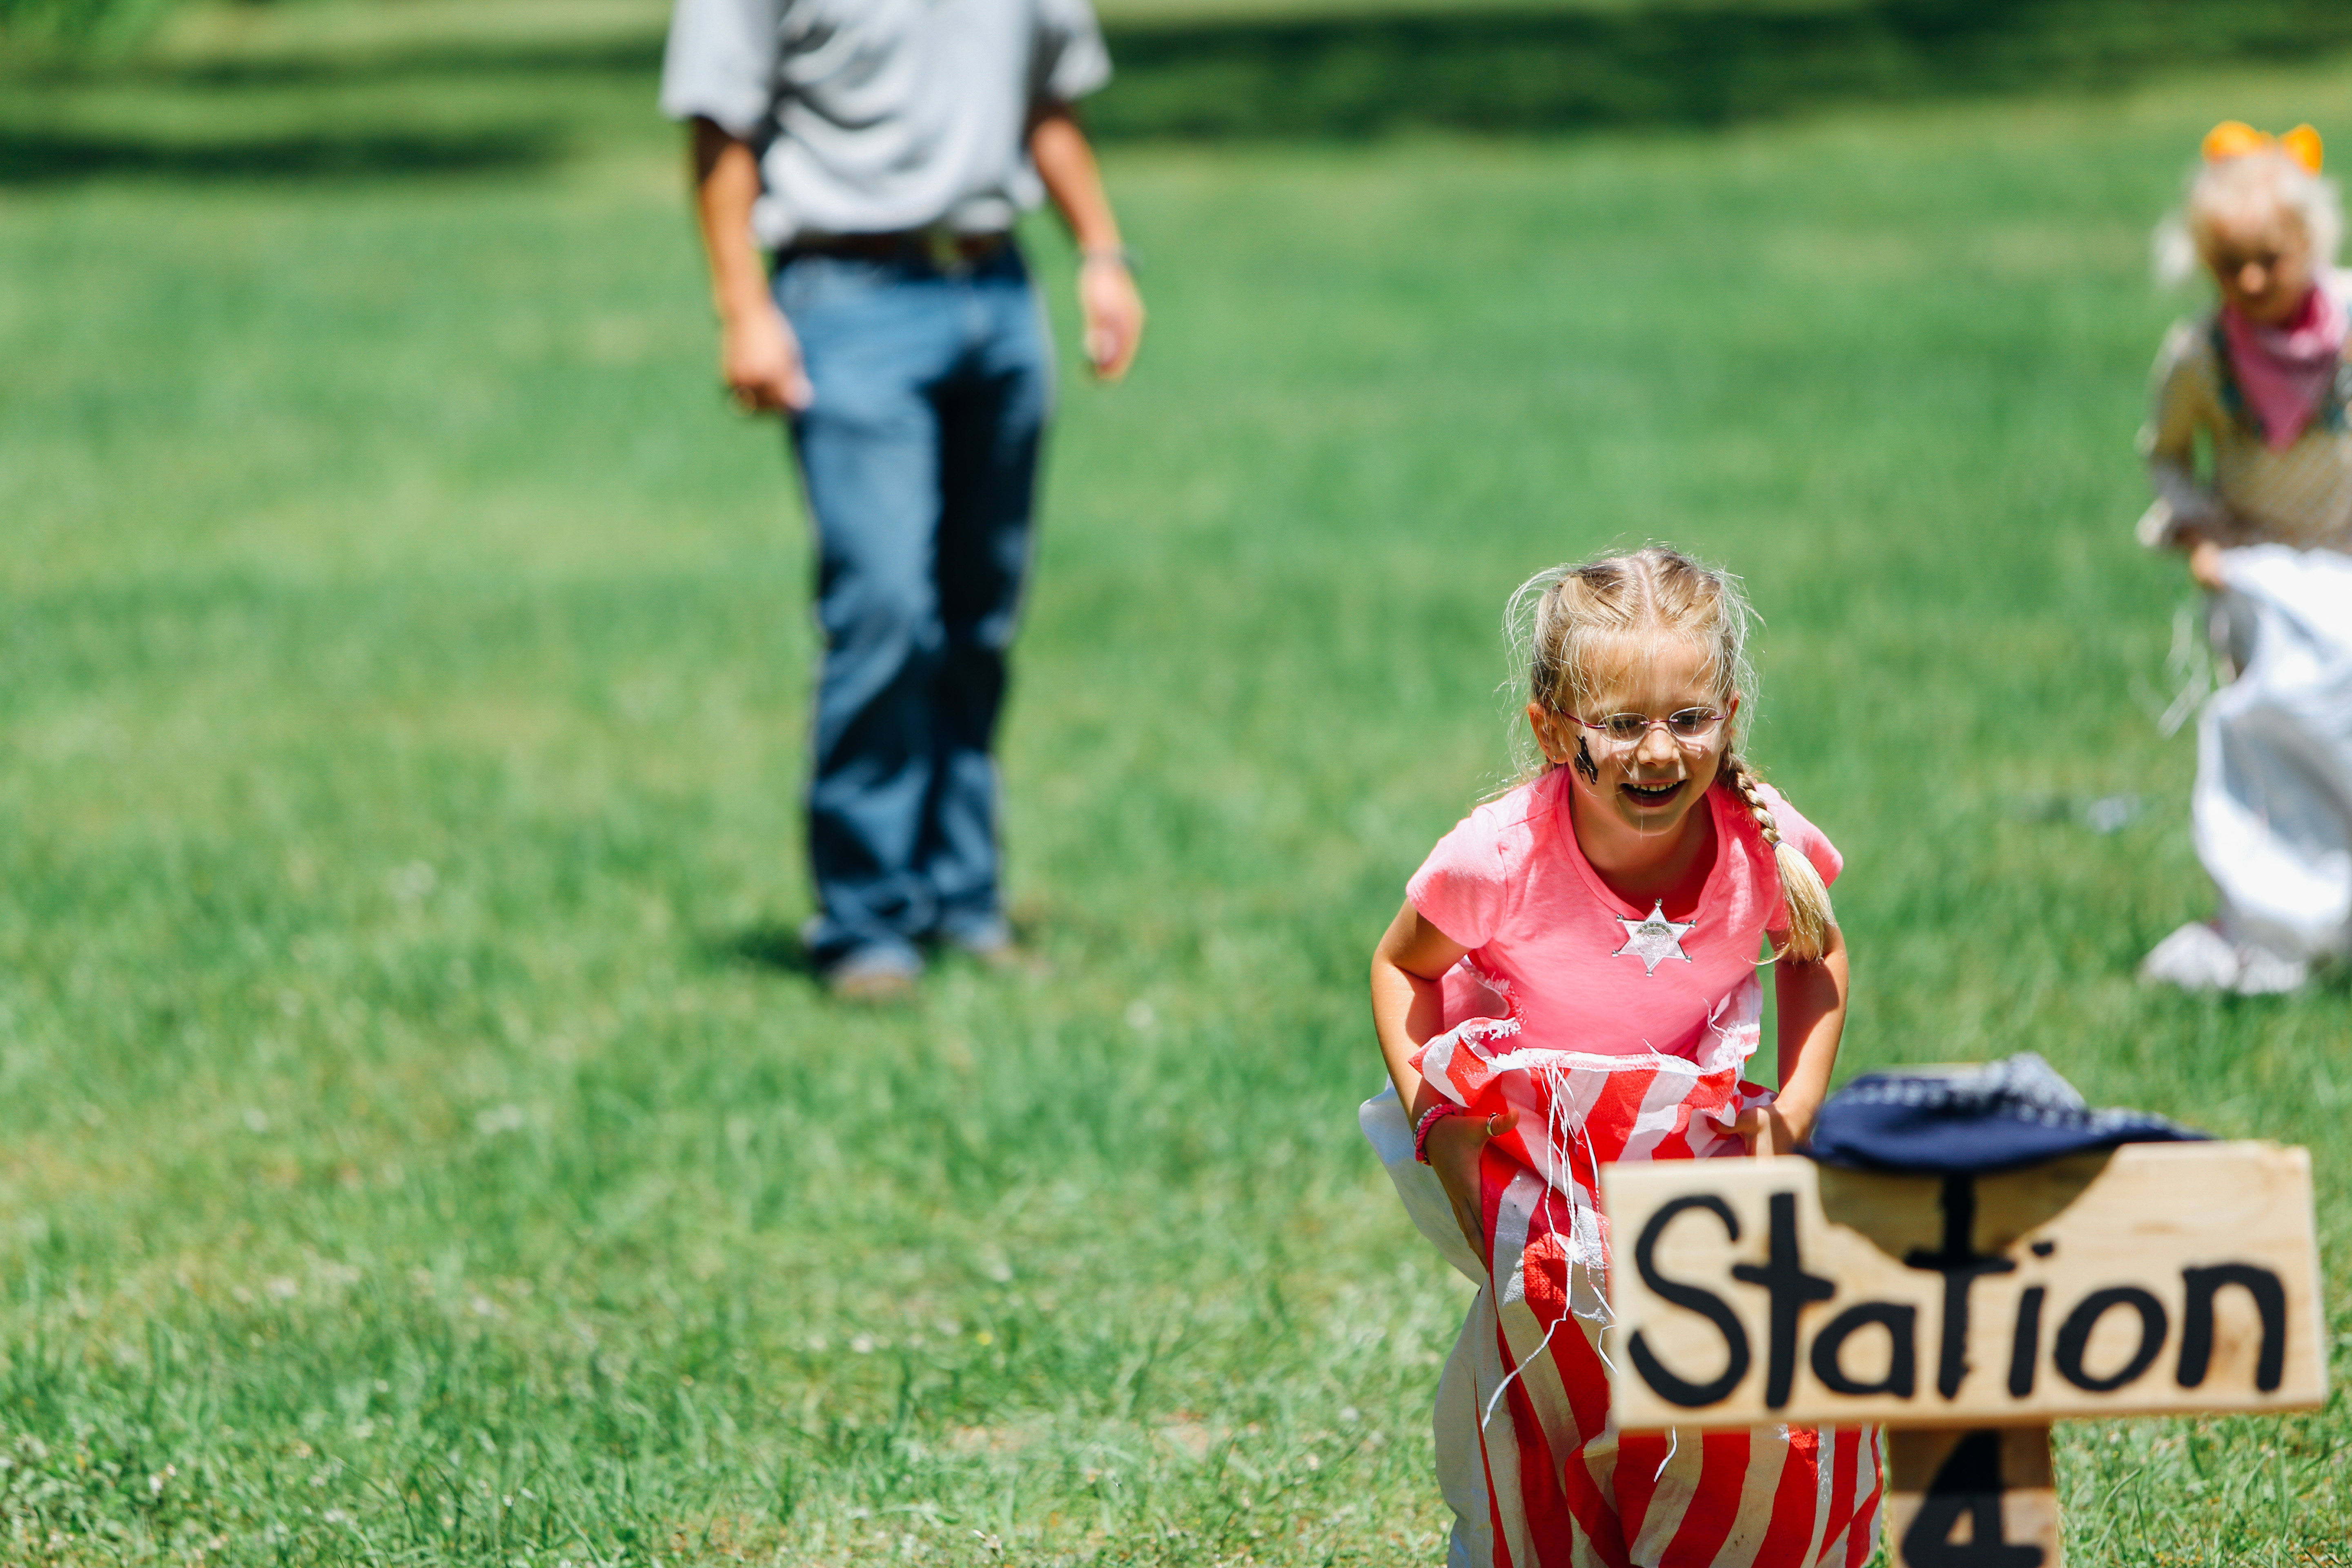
<point x="1980" y="1499"/>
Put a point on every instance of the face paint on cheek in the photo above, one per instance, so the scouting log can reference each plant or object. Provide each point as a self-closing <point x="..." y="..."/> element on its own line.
<point x="1584" y="763"/>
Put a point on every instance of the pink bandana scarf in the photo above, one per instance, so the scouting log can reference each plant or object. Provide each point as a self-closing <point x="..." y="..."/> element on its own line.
<point x="2285" y="370"/>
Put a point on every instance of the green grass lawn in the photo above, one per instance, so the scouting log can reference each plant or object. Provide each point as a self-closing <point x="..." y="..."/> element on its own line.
<point x="415" y="1142"/>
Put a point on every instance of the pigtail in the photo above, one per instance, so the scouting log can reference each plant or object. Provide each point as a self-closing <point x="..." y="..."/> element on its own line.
<point x="1805" y="898"/>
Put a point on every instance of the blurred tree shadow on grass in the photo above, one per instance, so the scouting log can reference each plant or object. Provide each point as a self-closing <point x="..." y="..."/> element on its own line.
<point x="633" y="58"/>
<point x="1508" y="69"/>
<point x="430" y="107"/>
<point x="33" y="157"/>
<point x="1523" y="70"/>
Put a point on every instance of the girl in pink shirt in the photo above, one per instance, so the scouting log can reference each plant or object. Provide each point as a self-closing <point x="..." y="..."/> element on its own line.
<point x="1572" y="980"/>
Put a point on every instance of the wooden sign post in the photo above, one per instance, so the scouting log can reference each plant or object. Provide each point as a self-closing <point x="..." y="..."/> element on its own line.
<point x="1965" y="1313"/>
<point x="1972" y="1497"/>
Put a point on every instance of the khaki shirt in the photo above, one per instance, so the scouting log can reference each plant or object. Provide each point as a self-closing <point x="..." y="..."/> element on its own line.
<point x="2302" y="496"/>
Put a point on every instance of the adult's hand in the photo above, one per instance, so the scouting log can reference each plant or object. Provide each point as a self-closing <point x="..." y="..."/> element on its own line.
<point x="1108" y="304"/>
<point x="1112" y="310"/>
<point x="760" y="360"/>
<point x="1456" y="1146"/>
<point x="759" y="357"/>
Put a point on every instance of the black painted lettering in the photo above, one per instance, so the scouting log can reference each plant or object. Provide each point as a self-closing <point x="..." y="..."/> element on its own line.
<point x="2074" y="1337"/>
<point x="1960" y="1264"/>
<point x="1967" y="1482"/>
<point x="2269" y="1295"/>
<point x="2025" y="1344"/>
<point x="1783" y="1275"/>
<point x="1902" y="1326"/>
<point x="1673" y="1389"/>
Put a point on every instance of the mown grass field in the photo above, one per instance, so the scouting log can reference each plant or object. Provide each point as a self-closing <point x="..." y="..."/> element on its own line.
<point x="417" y="1144"/>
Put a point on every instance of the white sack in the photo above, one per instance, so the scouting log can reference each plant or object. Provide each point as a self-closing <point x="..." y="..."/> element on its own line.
<point x="1474" y="1363"/>
<point x="2273" y="807"/>
<point x="1390" y="1134"/>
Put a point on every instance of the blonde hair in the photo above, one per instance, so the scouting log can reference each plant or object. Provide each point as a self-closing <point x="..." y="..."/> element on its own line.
<point x="2229" y="184"/>
<point x="1561" y="618"/>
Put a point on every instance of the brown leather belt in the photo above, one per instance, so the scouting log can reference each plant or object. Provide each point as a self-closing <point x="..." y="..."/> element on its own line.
<point x="941" y="248"/>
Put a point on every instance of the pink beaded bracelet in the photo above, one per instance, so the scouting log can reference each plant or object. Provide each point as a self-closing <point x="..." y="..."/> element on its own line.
<point x="1429" y="1119"/>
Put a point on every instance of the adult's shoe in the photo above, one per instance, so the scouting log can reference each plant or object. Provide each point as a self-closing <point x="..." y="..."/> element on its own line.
<point x="873" y="975"/>
<point x="990" y="940"/>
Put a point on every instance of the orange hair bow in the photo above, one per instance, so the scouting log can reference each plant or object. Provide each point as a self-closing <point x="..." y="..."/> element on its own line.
<point x="2235" y="138"/>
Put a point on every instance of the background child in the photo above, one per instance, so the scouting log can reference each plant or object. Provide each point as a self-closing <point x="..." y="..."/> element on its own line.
<point x="2260" y="384"/>
<point x="1572" y="980"/>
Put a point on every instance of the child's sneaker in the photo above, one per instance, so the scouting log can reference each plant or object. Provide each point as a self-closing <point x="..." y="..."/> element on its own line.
<point x="2264" y="974"/>
<point x="2195" y="958"/>
<point x="2198" y="957"/>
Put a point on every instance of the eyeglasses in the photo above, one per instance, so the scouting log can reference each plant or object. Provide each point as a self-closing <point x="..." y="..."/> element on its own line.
<point x="1690" y="729"/>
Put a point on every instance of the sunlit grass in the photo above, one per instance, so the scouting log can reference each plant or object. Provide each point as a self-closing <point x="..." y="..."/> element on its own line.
<point x="413" y="1149"/>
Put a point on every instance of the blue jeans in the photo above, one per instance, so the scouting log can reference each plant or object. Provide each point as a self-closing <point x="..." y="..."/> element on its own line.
<point x="919" y="455"/>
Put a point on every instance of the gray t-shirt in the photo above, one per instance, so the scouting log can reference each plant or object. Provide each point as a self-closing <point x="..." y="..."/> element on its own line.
<point x="873" y="116"/>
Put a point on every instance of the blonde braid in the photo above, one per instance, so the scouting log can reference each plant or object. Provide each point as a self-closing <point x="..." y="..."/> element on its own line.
<point x="1803" y="895"/>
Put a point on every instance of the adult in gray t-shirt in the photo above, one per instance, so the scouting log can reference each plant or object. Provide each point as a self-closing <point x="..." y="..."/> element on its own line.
<point x="879" y="115"/>
<point x="882" y="148"/>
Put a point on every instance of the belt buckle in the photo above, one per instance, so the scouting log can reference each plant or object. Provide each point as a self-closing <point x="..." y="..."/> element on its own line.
<point x="944" y="247"/>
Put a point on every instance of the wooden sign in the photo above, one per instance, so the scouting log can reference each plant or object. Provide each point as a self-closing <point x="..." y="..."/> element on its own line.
<point x="2162" y="1277"/>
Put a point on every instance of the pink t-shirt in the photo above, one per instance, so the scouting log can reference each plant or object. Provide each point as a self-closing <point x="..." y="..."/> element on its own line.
<point x="1545" y="933"/>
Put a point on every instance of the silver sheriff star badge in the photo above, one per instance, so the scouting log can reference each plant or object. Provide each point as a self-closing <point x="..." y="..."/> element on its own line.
<point x="1654" y="939"/>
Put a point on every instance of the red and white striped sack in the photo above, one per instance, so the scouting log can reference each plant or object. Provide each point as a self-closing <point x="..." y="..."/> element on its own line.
<point x="1536" y="1471"/>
